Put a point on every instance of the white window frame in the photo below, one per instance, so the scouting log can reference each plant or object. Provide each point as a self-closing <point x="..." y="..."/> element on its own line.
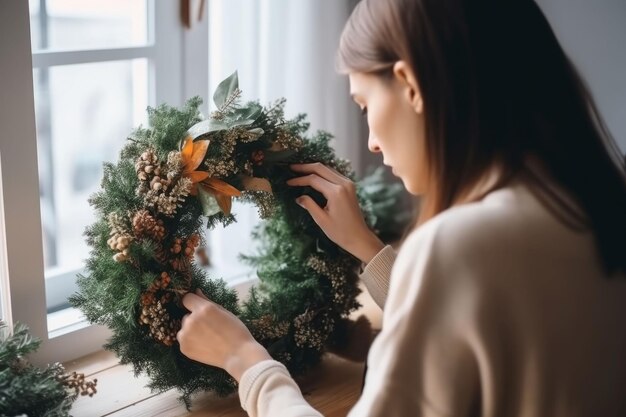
<point x="178" y="68"/>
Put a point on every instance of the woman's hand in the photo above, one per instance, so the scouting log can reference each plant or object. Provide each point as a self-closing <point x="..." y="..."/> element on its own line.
<point x="214" y="336"/>
<point x="341" y="220"/>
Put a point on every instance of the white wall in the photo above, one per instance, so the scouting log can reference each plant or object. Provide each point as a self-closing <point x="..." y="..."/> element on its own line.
<point x="593" y="33"/>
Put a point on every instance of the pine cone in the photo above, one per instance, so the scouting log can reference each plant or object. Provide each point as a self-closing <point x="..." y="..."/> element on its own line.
<point x="183" y="252"/>
<point x="147" y="165"/>
<point x="161" y="255"/>
<point x="312" y="329"/>
<point x="117" y="224"/>
<point x="162" y="327"/>
<point x="159" y="184"/>
<point x="190" y="245"/>
<point x="160" y="200"/>
<point x="161" y="283"/>
<point x="265" y="328"/>
<point x="180" y="264"/>
<point x="144" y="225"/>
<point x="148" y="298"/>
<point x="174" y="164"/>
<point x="120" y="242"/>
<point x="177" y="246"/>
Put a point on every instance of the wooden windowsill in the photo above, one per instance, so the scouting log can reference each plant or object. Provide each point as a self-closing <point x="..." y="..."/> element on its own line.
<point x="333" y="388"/>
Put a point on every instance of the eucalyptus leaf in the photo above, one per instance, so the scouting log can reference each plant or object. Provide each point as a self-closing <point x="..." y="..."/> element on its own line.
<point x="236" y="123"/>
<point x="252" y="112"/>
<point x="225" y="89"/>
<point x="255" y="133"/>
<point x="205" y="127"/>
<point x="208" y="202"/>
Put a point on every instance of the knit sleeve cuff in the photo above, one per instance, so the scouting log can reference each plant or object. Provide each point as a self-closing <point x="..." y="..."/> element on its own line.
<point x="377" y="273"/>
<point x="254" y="376"/>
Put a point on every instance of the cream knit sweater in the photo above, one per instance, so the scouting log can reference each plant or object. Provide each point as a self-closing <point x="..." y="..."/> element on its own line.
<point x="495" y="309"/>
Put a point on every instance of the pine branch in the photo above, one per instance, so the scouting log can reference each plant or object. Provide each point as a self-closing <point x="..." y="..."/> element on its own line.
<point x="36" y="392"/>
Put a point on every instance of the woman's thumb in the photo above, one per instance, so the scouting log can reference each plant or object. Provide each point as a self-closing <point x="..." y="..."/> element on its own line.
<point x="201" y="294"/>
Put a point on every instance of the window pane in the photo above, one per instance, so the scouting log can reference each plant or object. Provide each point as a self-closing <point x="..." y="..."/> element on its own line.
<point x="84" y="114"/>
<point x="87" y="24"/>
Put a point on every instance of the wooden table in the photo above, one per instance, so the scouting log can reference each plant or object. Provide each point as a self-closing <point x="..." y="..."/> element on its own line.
<point x="333" y="388"/>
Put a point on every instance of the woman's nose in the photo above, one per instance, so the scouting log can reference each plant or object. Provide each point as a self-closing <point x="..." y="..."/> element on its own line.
<point x="372" y="143"/>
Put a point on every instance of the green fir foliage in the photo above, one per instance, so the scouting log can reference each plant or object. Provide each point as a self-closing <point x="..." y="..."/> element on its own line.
<point x="24" y="388"/>
<point x="389" y="215"/>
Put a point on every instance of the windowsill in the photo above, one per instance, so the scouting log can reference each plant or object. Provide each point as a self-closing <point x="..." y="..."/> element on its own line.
<point x="65" y="321"/>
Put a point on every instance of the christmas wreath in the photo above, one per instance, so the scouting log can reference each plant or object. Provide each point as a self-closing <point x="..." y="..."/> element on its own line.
<point x="177" y="177"/>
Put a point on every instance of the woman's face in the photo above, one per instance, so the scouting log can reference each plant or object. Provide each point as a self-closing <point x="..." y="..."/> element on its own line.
<point x="396" y="123"/>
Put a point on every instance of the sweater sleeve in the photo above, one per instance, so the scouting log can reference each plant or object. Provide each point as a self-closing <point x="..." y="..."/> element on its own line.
<point x="421" y="363"/>
<point x="377" y="273"/>
<point x="267" y="389"/>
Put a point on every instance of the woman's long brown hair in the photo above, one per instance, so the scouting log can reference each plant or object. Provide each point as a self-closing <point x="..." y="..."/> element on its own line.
<point x="497" y="89"/>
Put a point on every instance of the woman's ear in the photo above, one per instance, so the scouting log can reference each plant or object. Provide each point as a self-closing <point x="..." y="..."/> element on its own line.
<point x="408" y="82"/>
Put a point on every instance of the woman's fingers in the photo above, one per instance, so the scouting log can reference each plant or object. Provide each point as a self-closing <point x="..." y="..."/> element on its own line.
<point x="182" y="321"/>
<point x="192" y="301"/>
<point x="322" y="170"/>
<point x="318" y="183"/>
<point x="214" y="336"/>
<point x="342" y="219"/>
<point x="181" y="333"/>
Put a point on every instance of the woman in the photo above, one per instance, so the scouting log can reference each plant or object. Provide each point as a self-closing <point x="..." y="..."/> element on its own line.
<point x="509" y="297"/>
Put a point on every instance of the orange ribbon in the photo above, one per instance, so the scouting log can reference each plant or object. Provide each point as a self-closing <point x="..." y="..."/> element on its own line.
<point x="192" y="155"/>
